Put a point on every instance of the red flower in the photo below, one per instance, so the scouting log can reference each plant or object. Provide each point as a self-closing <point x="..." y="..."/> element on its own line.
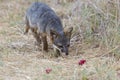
<point x="48" y="70"/>
<point x="81" y="62"/>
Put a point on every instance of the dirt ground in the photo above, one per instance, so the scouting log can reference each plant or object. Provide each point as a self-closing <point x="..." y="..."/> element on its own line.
<point x="21" y="59"/>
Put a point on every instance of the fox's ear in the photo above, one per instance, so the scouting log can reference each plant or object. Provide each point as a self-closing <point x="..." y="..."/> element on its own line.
<point x="68" y="32"/>
<point x="53" y="33"/>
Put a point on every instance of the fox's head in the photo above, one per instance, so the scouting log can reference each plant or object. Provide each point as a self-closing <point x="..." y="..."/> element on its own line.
<point x="62" y="41"/>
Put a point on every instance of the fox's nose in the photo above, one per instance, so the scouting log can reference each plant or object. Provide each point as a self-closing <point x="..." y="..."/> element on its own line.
<point x="65" y="50"/>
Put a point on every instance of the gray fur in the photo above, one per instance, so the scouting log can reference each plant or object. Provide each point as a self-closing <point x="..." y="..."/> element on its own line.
<point x="41" y="16"/>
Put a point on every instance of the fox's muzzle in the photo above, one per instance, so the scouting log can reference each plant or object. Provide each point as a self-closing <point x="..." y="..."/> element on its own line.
<point x="65" y="50"/>
<point x="62" y="50"/>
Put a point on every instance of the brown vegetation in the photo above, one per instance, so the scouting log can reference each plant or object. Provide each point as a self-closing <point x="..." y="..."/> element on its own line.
<point x="96" y="38"/>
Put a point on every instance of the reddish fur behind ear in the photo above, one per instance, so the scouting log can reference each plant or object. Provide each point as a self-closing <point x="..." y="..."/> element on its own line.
<point x="68" y="32"/>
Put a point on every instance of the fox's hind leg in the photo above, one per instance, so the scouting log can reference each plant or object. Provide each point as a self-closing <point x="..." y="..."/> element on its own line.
<point x="27" y="26"/>
<point x="36" y="35"/>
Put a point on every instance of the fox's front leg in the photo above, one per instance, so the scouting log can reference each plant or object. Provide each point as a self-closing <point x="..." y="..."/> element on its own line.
<point x="44" y="43"/>
<point x="57" y="52"/>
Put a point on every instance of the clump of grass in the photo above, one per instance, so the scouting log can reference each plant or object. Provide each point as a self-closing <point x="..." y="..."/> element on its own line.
<point x="98" y="21"/>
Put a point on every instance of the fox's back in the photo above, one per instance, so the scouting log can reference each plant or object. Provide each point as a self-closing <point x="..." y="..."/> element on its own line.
<point x="43" y="17"/>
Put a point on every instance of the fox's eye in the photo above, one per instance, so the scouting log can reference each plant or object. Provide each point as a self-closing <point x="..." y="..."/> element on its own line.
<point x="68" y="45"/>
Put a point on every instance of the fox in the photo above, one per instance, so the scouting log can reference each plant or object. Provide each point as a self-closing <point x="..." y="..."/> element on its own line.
<point x="44" y="22"/>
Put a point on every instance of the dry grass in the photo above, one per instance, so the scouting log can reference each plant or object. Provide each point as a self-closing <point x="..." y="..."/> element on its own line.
<point x="96" y="38"/>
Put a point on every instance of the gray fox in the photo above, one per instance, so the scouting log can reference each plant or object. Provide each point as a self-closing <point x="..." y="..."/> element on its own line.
<point x="43" y="22"/>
